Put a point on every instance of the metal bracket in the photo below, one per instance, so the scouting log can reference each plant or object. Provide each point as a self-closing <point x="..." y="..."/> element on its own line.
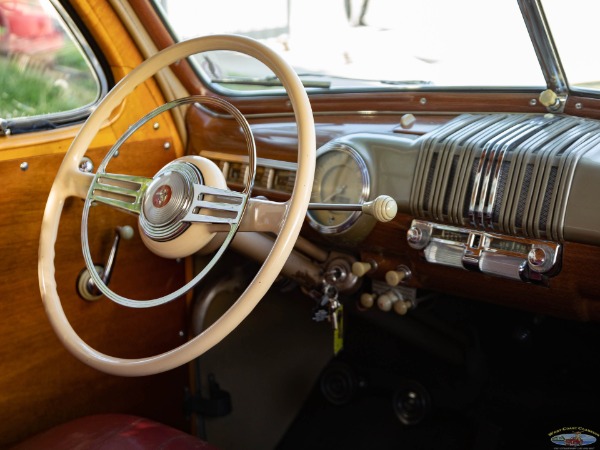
<point x="4" y="129"/>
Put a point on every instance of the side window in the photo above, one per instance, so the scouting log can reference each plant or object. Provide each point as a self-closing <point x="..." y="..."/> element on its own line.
<point x="45" y="70"/>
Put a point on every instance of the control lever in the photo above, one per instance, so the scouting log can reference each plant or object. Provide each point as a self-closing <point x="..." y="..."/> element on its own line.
<point x="383" y="208"/>
<point x="86" y="287"/>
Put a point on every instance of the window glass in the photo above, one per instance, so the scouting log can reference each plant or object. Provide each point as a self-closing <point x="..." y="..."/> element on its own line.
<point x="43" y="70"/>
<point x="349" y="44"/>
<point x="576" y="39"/>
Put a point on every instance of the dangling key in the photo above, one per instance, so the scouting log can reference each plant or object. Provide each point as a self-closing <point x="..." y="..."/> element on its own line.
<point x="334" y="305"/>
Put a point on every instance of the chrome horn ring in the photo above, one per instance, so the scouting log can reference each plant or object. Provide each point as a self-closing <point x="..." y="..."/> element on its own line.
<point x="170" y="202"/>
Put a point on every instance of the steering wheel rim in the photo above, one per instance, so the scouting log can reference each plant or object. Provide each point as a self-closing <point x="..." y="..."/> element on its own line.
<point x="70" y="181"/>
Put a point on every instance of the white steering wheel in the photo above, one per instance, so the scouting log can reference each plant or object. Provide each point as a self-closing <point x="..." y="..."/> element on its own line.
<point x="200" y="183"/>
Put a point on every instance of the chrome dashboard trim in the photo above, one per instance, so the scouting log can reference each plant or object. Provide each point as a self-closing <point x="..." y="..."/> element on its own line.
<point x="528" y="260"/>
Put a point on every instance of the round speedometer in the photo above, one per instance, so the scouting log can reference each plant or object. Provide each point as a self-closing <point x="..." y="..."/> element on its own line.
<point x="341" y="177"/>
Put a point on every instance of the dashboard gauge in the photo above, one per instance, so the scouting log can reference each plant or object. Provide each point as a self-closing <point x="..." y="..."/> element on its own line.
<point x="341" y="177"/>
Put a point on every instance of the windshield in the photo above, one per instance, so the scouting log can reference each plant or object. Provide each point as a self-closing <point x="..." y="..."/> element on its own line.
<point x="577" y="40"/>
<point x="368" y="43"/>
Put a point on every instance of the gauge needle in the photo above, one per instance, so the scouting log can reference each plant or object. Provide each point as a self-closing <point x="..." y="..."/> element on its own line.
<point x="340" y="190"/>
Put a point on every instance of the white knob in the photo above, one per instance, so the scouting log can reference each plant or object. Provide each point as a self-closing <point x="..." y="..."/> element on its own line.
<point x="383" y="208"/>
<point x="126" y="232"/>
<point x="367" y="300"/>
<point x="395" y="277"/>
<point x="360" y="268"/>
<point x="401" y="307"/>
<point x="548" y="98"/>
<point x="386" y="301"/>
<point x="407" y="120"/>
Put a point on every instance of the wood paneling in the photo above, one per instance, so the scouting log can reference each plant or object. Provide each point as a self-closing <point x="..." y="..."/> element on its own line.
<point x="40" y="383"/>
<point x="276" y="138"/>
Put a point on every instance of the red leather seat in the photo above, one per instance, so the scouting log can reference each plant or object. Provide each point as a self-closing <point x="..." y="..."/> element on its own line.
<point x="113" y="432"/>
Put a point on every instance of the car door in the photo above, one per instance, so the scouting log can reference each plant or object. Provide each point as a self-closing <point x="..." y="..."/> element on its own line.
<point x="56" y="63"/>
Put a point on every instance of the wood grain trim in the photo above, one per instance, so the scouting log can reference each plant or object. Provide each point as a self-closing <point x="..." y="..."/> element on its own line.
<point x="276" y="137"/>
<point x="583" y="107"/>
<point x="162" y="39"/>
<point x="397" y="102"/>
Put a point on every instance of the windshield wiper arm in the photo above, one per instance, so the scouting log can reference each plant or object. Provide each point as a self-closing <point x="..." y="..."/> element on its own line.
<point x="269" y="82"/>
<point x="405" y="82"/>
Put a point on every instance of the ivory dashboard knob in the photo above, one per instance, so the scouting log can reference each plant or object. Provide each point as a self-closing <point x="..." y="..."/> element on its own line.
<point x="367" y="300"/>
<point x="395" y="277"/>
<point x="401" y="307"/>
<point x="361" y="268"/>
<point x="384" y="208"/>
<point x="386" y="301"/>
<point x="548" y="98"/>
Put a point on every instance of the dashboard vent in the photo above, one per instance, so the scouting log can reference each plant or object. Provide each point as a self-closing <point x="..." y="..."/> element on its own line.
<point x="508" y="173"/>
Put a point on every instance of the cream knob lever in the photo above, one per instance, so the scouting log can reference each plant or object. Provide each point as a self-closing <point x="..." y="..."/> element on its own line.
<point x="367" y="300"/>
<point x="383" y="208"/>
<point x="394" y="300"/>
<point x="386" y="301"/>
<point x="361" y="268"/>
<point x="395" y="277"/>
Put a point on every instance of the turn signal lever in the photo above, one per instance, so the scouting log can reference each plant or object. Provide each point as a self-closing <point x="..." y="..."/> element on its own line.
<point x="86" y="287"/>
<point x="383" y="208"/>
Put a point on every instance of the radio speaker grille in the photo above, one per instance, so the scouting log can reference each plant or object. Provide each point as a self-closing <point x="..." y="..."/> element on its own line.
<point x="503" y="172"/>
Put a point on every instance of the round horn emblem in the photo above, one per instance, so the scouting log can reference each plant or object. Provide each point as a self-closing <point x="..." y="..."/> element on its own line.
<point x="162" y="196"/>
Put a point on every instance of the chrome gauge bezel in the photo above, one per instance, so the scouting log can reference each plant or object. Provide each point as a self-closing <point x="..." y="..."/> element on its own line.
<point x="353" y="216"/>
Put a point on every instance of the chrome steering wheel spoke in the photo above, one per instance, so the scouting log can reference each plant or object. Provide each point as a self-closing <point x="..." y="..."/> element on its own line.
<point x="226" y="207"/>
<point x="124" y="192"/>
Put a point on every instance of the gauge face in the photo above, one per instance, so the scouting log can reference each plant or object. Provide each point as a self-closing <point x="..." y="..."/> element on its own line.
<point x="341" y="176"/>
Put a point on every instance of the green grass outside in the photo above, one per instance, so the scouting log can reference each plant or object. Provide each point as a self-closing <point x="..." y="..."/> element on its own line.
<point x="27" y="92"/>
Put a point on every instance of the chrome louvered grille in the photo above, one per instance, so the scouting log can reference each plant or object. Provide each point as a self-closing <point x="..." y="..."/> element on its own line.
<point x="503" y="172"/>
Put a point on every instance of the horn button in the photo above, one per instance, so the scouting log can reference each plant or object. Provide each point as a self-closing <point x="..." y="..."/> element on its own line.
<point x="161" y="196"/>
<point x="167" y="201"/>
